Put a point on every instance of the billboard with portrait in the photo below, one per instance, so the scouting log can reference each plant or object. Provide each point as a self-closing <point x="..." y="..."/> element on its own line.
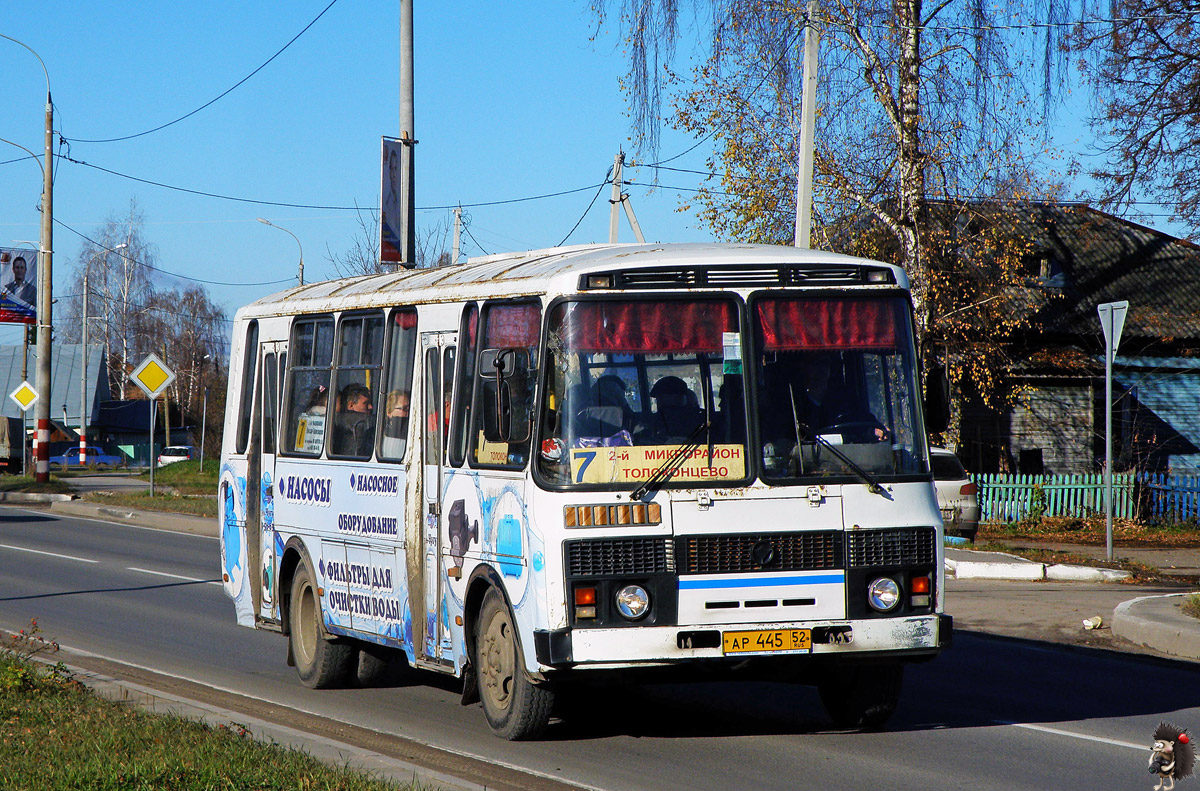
<point x="18" y="285"/>
<point x="391" y="210"/>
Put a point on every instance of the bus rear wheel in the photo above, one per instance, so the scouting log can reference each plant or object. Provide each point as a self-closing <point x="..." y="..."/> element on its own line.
<point x="861" y="696"/>
<point x="319" y="662"/>
<point x="515" y="707"/>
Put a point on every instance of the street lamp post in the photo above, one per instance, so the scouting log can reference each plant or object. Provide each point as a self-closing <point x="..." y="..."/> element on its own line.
<point x="300" y="274"/>
<point x="45" y="284"/>
<point x="83" y="345"/>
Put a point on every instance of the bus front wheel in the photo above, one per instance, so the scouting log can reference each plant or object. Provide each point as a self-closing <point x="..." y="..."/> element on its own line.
<point x="319" y="662"/>
<point x="861" y="696"/>
<point x="515" y="707"/>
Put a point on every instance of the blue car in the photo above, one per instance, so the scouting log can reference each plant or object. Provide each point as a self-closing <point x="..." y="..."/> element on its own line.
<point x="96" y="460"/>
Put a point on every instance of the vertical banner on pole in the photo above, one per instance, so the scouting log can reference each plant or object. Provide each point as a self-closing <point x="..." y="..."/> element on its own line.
<point x="1112" y="322"/>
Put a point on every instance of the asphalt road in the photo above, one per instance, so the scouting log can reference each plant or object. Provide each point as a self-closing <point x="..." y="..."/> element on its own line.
<point x="989" y="713"/>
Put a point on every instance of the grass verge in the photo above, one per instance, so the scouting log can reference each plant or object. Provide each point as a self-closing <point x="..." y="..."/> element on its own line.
<point x="1191" y="605"/>
<point x="26" y="483"/>
<point x="186" y="477"/>
<point x="1092" y="530"/>
<point x="57" y="734"/>
<point x="168" y="502"/>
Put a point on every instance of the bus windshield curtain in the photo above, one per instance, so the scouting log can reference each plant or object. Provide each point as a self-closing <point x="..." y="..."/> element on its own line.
<point x="833" y="324"/>
<point x="653" y="327"/>
<point x="514" y="326"/>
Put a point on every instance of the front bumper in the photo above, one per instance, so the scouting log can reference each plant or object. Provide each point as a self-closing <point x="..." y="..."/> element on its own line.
<point x="914" y="636"/>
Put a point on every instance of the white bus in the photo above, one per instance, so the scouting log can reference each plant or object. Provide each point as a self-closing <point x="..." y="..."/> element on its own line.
<point x="535" y="468"/>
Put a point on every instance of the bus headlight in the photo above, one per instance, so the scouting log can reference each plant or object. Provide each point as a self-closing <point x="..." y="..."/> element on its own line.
<point x="633" y="602"/>
<point x="883" y="594"/>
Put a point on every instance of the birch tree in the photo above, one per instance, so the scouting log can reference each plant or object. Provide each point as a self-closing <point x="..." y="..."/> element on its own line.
<point x="1145" y="75"/>
<point x="924" y="112"/>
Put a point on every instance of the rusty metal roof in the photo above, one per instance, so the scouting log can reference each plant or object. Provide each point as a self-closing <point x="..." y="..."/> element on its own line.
<point x="533" y="272"/>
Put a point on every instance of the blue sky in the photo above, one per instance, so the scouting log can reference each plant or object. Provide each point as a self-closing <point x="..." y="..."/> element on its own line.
<point x="513" y="100"/>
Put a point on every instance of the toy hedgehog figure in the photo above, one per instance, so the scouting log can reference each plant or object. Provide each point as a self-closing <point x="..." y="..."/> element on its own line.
<point x="1172" y="755"/>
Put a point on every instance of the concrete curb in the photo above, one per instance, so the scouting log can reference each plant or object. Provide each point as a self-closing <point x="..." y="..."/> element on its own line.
<point x="324" y="749"/>
<point x="1029" y="571"/>
<point x="1158" y="623"/>
<point x="34" y="497"/>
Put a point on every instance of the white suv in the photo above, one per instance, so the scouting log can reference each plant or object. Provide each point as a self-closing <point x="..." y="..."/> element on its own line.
<point x="174" y="453"/>
<point x="957" y="494"/>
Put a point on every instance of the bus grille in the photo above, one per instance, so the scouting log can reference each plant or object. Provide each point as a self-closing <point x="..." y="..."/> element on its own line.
<point x="908" y="546"/>
<point x="600" y="557"/>
<point x="723" y="554"/>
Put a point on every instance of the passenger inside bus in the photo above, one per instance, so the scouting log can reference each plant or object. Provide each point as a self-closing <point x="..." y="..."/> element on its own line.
<point x="395" y="424"/>
<point x="677" y="412"/>
<point x="355" y="425"/>
<point x="318" y="402"/>
<point x="808" y="392"/>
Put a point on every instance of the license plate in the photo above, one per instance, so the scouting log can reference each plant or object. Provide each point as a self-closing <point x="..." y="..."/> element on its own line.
<point x="768" y="641"/>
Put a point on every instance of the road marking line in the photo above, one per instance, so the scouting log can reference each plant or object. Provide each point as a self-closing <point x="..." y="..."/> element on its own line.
<point x="1072" y="734"/>
<point x="51" y="554"/>
<point x="172" y="576"/>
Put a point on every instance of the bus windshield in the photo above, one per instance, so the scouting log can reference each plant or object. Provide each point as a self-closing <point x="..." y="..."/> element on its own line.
<point x="830" y="382"/>
<point x="630" y="381"/>
<point x="836" y="387"/>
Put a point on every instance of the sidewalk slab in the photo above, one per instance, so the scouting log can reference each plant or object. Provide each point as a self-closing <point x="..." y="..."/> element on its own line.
<point x="162" y="520"/>
<point x="1158" y="623"/>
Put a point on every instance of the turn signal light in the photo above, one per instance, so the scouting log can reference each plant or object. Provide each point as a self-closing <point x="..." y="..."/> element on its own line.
<point x="920" y="587"/>
<point x="585" y="603"/>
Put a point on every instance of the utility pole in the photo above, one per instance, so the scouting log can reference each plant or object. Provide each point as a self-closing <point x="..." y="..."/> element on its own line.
<point x="457" y="231"/>
<point x="619" y="197"/>
<point x="408" y="137"/>
<point x="83" y="376"/>
<point x="808" y="120"/>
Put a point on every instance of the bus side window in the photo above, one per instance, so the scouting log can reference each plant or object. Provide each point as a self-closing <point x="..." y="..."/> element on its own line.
<point x="309" y="363"/>
<point x="464" y="377"/>
<point x="397" y="404"/>
<point x="357" y="385"/>
<point x="249" y="358"/>
<point x="270" y="407"/>
<point x="505" y="383"/>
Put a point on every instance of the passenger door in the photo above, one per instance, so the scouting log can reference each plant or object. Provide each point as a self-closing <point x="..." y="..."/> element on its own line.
<point x="437" y="352"/>
<point x="272" y="363"/>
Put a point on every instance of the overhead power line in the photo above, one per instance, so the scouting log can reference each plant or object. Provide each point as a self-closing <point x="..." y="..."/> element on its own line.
<point x="164" y="271"/>
<point x="288" y="205"/>
<point x="213" y="101"/>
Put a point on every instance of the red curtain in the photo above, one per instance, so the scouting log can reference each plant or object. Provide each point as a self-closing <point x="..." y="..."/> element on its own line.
<point x="630" y="327"/>
<point x="797" y="324"/>
<point x="513" y="325"/>
<point x="406" y="319"/>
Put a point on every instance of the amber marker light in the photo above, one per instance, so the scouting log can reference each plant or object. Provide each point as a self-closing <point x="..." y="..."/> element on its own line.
<point x="919" y="587"/>
<point x="585" y="603"/>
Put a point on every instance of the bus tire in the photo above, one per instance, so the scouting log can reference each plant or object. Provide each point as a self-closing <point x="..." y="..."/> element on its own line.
<point x="320" y="663"/>
<point x="515" y="707"/>
<point x="861" y="696"/>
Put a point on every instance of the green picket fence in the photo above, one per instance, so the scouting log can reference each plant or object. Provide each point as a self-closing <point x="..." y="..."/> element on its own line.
<point x="1010" y="498"/>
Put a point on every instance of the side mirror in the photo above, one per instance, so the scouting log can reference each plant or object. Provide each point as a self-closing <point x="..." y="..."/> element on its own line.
<point x="504" y="372"/>
<point x="937" y="399"/>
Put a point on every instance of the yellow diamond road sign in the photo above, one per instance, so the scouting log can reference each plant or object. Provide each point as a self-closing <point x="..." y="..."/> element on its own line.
<point x="24" y="395"/>
<point x="153" y="375"/>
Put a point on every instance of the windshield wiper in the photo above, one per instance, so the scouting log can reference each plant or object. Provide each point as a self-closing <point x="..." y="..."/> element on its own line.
<point x="668" y="467"/>
<point x="872" y="485"/>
